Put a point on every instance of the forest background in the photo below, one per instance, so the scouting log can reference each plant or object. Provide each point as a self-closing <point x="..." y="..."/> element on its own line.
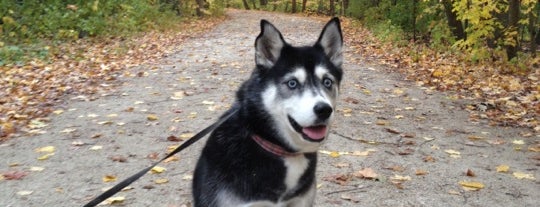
<point x="479" y="50"/>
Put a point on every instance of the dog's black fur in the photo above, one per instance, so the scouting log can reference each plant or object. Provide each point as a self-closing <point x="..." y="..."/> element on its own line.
<point x="231" y="161"/>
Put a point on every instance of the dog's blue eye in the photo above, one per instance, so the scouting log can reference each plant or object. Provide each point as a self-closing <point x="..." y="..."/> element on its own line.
<point x="292" y="84"/>
<point x="327" y="82"/>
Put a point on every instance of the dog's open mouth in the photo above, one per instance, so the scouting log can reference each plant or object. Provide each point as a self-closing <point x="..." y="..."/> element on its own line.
<point x="315" y="133"/>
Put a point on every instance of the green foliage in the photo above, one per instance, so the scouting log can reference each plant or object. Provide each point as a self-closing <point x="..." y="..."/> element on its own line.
<point x="25" y="24"/>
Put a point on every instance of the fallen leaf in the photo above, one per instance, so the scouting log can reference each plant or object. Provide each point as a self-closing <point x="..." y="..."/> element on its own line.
<point x="406" y="151"/>
<point x="334" y="154"/>
<point x="157" y="169"/>
<point x="161" y="181"/>
<point x="15" y="175"/>
<point x="454" y="192"/>
<point x="363" y="153"/>
<point x="342" y="179"/>
<point x="152" y="117"/>
<point x="58" y="111"/>
<point x="534" y="148"/>
<point x="109" y="178"/>
<point x="421" y="172"/>
<point x="350" y="197"/>
<point x="173" y="138"/>
<point x="471" y="185"/>
<point x="474" y="137"/>
<point x="381" y="122"/>
<point x="502" y="168"/>
<point x="186" y="135"/>
<point x="367" y="173"/>
<point x="24" y="192"/>
<point x="401" y="178"/>
<point x="47" y="149"/>
<point x="453" y="153"/>
<point x="518" y="142"/>
<point x="429" y="158"/>
<point x="205" y="102"/>
<point x="36" y="169"/>
<point x="522" y="175"/>
<point x="77" y="143"/>
<point x="45" y="156"/>
<point x="470" y="173"/>
<point x="118" y="158"/>
<point x="68" y="130"/>
<point x="342" y="164"/>
<point x="393" y="131"/>
<point x="114" y="200"/>
<point x="96" y="147"/>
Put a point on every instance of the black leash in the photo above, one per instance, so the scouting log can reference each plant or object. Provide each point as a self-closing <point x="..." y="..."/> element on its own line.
<point x="138" y="175"/>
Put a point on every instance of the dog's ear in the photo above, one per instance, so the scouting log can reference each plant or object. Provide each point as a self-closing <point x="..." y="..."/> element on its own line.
<point x="268" y="45"/>
<point x="331" y="41"/>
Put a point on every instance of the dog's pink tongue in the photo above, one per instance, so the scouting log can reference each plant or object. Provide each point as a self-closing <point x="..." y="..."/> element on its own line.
<point x="316" y="132"/>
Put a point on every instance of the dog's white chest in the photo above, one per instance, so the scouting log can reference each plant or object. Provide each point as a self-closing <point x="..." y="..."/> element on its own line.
<point x="296" y="166"/>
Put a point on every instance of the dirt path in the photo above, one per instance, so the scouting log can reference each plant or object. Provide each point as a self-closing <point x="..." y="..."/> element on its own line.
<point x="385" y="124"/>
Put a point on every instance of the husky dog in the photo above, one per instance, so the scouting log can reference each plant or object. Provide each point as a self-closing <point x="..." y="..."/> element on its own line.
<point x="265" y="154"/>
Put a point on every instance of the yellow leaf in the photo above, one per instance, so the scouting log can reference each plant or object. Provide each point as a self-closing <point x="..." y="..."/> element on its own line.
<point x="471" y="185"/>
<point x="474" y="137"/>
<point x="47" y="149"/>
<point x="334" y="154"/>
<point x="398" y="91"/>
<point x="519" y="142"/>
<point x="152" y="117"/>
<point x="115" y="200"/>
<point x="109" y="178"/>
<point x="192" y="115"/>
<point x="157" y="169"/>
<point x="522" y="175"/>
<point x="381" y="123"/>
<point x="366" y="91"/>
<point x="503" y="168"/>
<point x="161" y="181"/>
<point x="186" y="135"/>
<point x="45" y="156"/>
<point x="96" y="147"/>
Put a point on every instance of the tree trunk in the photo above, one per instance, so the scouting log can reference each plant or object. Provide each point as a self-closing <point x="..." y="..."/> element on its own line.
<point x="345" y="5"/>
<point x="455" y="26"/>
<point x="246" y="5"/>
<point x="201" y="6"/>
<point x="534" y="32"/>
<point x="263" y="2"/>
<point x="304" y="2"/>
<point x="513" y="18"/>
<point x="253" y="2"/>
<point x="332" y="10"/>
<point x="293" y="9"/>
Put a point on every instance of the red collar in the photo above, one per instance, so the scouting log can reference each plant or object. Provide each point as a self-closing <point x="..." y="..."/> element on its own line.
<point x="272" y="148"/>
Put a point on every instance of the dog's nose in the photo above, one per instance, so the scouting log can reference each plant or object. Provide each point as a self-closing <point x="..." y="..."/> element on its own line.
<point x="322" y="110"/>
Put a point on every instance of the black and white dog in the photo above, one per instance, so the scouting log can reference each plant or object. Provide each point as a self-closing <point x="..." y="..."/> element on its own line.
<point x="265" y="155"/>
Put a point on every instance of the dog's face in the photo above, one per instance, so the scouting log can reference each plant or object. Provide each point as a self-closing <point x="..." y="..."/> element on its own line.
<point x="301" y="84"/>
